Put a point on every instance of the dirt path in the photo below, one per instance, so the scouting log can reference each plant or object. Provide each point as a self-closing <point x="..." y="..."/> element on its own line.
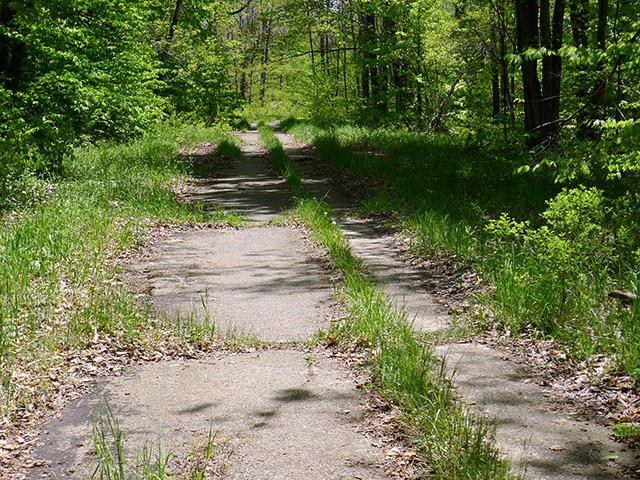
<point x="285" y="411"/>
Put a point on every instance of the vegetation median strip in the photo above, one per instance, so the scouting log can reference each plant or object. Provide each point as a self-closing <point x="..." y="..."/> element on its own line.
<point x="455" y="442"/>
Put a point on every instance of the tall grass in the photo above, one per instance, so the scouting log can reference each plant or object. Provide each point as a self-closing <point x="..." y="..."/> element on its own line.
<point x="455" y="443"/>
<point x="550" y="256"/>
<point x="59" y="290"/>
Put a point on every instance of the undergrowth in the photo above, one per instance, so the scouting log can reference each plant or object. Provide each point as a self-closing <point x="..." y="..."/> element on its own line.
<point x="455" y="442"/>
<point x="549" y="254"/>
<point x="59" y="289"/>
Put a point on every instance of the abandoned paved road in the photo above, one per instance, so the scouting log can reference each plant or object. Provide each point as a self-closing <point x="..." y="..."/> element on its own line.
<point x="284" y="411"/>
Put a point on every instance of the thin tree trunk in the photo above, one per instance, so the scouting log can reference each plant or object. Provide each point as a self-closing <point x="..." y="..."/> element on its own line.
<point x="434" y="123"/>
<point x="495" y="91"/>
<point x="527" y="33"/>
<point x="600" y="89"/>
<point x="265" y="58"/>
<point x="579" y="15"/>
<point x="551" y="32"/>
<point x="369" y="72"/>
<point x="172" y="31"/>
<point x="495" y="78"/>
<point x="313" y="62"/>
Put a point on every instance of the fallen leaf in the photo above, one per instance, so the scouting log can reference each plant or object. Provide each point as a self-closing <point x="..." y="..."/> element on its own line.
<point x="394" y="452"/>
<point x="556" y="448"/>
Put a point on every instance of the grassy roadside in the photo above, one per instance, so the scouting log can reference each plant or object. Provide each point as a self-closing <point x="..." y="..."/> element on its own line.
<point x="61" y="301"/>
<point x="549" y="254"/>
<point x="455" y="443"/>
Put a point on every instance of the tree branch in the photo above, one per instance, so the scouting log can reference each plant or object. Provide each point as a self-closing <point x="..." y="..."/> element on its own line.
<point x="438" y="116"/>
<point x="241" y="9"/>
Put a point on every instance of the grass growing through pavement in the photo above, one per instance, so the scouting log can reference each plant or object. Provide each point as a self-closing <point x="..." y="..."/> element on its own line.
<point x="455" y="443"/>
<point x="59" y="288"/>
<point x="549" y="254"/>
<point x="111" y="461"/>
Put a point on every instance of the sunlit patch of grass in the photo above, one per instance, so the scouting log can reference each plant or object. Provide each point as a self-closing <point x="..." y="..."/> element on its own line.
<point x="281" y="162"/>
<point x="228" y="148"/>
<point x="222" y="216"/>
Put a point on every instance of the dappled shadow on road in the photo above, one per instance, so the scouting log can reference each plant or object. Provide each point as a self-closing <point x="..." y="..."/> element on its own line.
<point x="247" y="185"/>
<point x="264" y="281"/>
<point x="196" y="408"/>
<point x="294" y="395"/>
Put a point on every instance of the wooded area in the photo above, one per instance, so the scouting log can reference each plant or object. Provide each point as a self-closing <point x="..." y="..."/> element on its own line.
<point x="540" y="69"/>
<point x="432" y="64"/>
<point x="529" y="97"/>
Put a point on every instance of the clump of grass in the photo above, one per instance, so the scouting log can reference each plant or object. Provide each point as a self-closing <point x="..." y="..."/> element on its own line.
<point x="111" y="462"/>
<point x="228" y="148"/>
<point x="628" y="432"/>
<point x="282" y="164"/>
<point x="110" y="459"/>
<point x="455" y="443"/>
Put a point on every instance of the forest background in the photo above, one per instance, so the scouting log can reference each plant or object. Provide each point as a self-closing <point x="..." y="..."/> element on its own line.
<point x="505" y="134"/>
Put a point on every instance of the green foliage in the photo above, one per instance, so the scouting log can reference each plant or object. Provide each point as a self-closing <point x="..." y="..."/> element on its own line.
<point x="85" y="72"/>
<point x="228" y="148"/>
<point x="627" y="431"/>
<point x="197" y="81"/>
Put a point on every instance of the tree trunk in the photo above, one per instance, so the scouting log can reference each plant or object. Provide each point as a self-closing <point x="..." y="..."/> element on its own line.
<point x="267" y="26"/>
<point x="495" y="91"/>
<point x="541" y="101"/>
<point x="579" y="15"/>
<point x="369" y="60"/>
<point x="551" y="32"/>
<point x="172" y="31"/>
<point x="527" y="34"/>
<point x="599" y="96"/>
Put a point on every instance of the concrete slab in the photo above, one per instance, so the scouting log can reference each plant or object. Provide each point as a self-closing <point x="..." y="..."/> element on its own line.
<point x="287" y="414"/>
<point x="261" y="282"/>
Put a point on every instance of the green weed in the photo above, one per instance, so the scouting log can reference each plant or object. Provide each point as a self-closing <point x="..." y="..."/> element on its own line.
<point x="281" y="163"/>
<point x="109" y="447"/>
<point x="627" y="431"/>
<point x="228" y="148"/>
<point x="111" y="462"/>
